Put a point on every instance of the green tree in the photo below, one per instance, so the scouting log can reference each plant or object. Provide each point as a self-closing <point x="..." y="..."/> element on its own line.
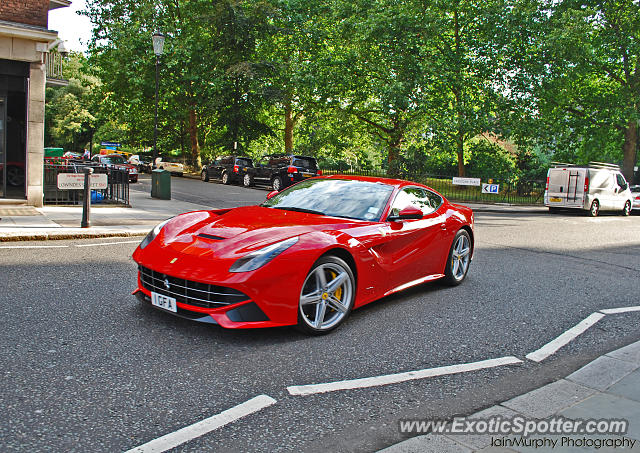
<point x="70" y="110"/>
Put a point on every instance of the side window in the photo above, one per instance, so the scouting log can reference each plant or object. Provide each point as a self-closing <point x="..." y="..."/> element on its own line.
<point x="434" y="203"/>
<point x="621" y="181"/>
<point x="424" y="200"/>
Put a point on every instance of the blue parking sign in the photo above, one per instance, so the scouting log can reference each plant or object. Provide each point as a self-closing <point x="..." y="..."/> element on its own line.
<point x="490" y="188"/>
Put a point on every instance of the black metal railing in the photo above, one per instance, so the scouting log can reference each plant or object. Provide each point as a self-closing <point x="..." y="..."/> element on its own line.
<point x="117" y="191"/>
<point x="513" y="191"/>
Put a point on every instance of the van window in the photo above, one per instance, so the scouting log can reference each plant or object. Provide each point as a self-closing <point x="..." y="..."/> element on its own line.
<point x="621" y="180"/>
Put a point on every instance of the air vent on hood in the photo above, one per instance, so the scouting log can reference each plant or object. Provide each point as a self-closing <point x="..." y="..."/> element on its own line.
<point x="210" y="236"/>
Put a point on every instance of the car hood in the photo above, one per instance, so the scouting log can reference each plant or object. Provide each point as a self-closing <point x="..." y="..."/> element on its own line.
<point x="241" y="230"/>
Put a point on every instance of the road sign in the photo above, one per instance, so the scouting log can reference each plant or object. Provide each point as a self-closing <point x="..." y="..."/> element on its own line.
<point x="490" y="188"/>
<point x="466" y="181"/>
<point x="71" y="181"/>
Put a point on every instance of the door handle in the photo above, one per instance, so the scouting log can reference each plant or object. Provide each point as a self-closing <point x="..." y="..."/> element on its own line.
<point x="443" y="226"/>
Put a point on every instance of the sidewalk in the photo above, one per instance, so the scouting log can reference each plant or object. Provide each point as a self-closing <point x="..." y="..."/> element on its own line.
<point x="607" y="388"/>
<point x="22" y="223"/>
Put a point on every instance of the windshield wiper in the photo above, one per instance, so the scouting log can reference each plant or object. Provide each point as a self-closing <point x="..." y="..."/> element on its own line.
<point x="292" y="208"/>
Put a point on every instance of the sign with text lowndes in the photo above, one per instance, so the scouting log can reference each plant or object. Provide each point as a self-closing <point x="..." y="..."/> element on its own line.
<point x="466" y="181"/>
<point x="70" y="181"/>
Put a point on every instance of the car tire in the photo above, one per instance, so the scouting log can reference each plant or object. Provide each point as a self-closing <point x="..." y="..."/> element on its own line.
<point x="553" y="210"/>
<point x="276" y="183"/>
<point x="627" y="209"/>
<point x="225" y="178"/>
<point x="459" y="259"/>
<point x="332" y="304"/>
<point x="247" y="180"/>
<point x="594" y="210"/>
<point x="204" y="175"/>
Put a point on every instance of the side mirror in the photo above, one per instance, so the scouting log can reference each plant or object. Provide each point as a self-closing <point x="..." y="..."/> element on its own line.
<point x="408" y="213"/>
<point x="272" y="194"/>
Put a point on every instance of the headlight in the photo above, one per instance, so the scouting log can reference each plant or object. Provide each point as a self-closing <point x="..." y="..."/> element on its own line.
<point x="259" y="258"/>
<point x="152" y="234"/>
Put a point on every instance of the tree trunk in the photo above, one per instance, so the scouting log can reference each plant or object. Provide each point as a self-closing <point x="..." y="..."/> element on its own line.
<point x="193" y="134"/>
<point x="460" y="151"/>
<point x="289" y="123"/>
<point x="393" y="159"/>
<point x="629" y="150"/>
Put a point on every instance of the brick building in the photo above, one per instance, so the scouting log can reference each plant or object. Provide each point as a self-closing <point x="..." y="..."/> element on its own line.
<point x="25" y="42"/>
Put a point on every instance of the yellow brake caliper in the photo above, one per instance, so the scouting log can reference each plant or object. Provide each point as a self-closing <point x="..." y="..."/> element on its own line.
<point x="338" y="293"/>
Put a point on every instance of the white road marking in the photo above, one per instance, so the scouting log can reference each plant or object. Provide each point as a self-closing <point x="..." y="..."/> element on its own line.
<point x="137" y="241"/>
<point x="205" y="426"/>
<point x="551" y="347"/>
<point x="34" y="247"/>
<point x="613" y="311"/>
<point x="400" y="377"/>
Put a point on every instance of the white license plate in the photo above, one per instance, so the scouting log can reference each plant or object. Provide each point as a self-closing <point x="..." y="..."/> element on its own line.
<point x="164" y="302"/>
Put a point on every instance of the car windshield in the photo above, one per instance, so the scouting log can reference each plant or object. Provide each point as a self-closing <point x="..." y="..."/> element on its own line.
<point x="114" y="160"/>
<point x="635" y="188"/>
<point x="304" y="162"/>
<point x="244" y="162"/>
<point x="359" y="200"/>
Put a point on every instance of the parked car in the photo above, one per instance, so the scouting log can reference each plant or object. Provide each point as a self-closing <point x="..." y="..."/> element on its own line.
<point x="595" y="187"/>
<point x="635" y="193"/>
<point x="229" y="169"/>
<point x="282" y="171"/>
<point x="175" y="168"/>
<point x="143" y="163"/>
<point x="294" y="259"/>
<point x="117" y="161"/>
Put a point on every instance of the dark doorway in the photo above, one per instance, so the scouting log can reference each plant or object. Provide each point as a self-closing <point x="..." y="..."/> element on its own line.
<point x="13" y="128"/>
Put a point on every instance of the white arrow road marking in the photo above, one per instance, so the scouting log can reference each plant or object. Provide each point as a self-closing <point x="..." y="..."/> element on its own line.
<point x="614" y="311"/>
<point x="551" y="347"/>
<point x="400" y="377"/>
<point x="205" y="426"/>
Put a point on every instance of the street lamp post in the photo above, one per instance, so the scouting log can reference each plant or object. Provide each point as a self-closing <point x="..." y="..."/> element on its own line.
<point x="158" y="46"/>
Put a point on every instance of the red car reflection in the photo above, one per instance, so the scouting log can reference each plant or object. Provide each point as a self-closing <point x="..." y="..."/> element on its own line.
<point x="307" y="256"/>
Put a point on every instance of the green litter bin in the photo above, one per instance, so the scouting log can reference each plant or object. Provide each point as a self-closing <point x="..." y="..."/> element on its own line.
<point x="161" y="184"/>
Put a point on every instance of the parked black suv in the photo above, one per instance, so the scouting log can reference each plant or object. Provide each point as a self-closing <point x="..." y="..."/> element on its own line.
<point x="229" y="169"/>
<point x="282" y="171"/>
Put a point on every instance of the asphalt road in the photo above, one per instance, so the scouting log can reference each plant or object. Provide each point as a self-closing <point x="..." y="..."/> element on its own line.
<point x="88" y="368"/>
<point x="213" y="193"/>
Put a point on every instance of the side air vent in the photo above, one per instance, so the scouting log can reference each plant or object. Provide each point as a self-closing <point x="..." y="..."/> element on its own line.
<point x="210" y="236"/>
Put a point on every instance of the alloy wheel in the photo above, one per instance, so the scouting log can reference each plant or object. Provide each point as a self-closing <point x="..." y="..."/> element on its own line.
<point x="460" y="257"/>
<point x="326" y="296"/>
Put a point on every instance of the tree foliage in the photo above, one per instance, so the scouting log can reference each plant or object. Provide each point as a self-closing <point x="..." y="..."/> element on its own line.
<point x="411" y="84"/>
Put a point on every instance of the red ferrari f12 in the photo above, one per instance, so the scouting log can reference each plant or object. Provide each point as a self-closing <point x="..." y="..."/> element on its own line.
<point x="307" y="256"/>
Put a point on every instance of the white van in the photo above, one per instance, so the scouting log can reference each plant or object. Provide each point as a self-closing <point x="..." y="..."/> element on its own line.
<point x="595" y="187"/>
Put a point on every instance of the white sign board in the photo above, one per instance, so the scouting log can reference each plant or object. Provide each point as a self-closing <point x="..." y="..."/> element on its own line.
<point x="490" y="188"/>
<point x="76" y="181"/>
<point x="466" y="181"/>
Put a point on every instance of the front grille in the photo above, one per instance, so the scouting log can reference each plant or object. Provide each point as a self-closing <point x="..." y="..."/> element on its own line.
<point x="189" y="292"/>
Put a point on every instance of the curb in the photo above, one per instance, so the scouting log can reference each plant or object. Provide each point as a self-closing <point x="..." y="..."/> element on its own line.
<point x="593" y="379"/>
<point x="50" y="236"/>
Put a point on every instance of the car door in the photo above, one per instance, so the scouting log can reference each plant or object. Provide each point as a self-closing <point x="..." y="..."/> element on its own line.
<point x="620" y="195"/>
<point x="262" y="170"/>
<point x="413" y="249"/>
